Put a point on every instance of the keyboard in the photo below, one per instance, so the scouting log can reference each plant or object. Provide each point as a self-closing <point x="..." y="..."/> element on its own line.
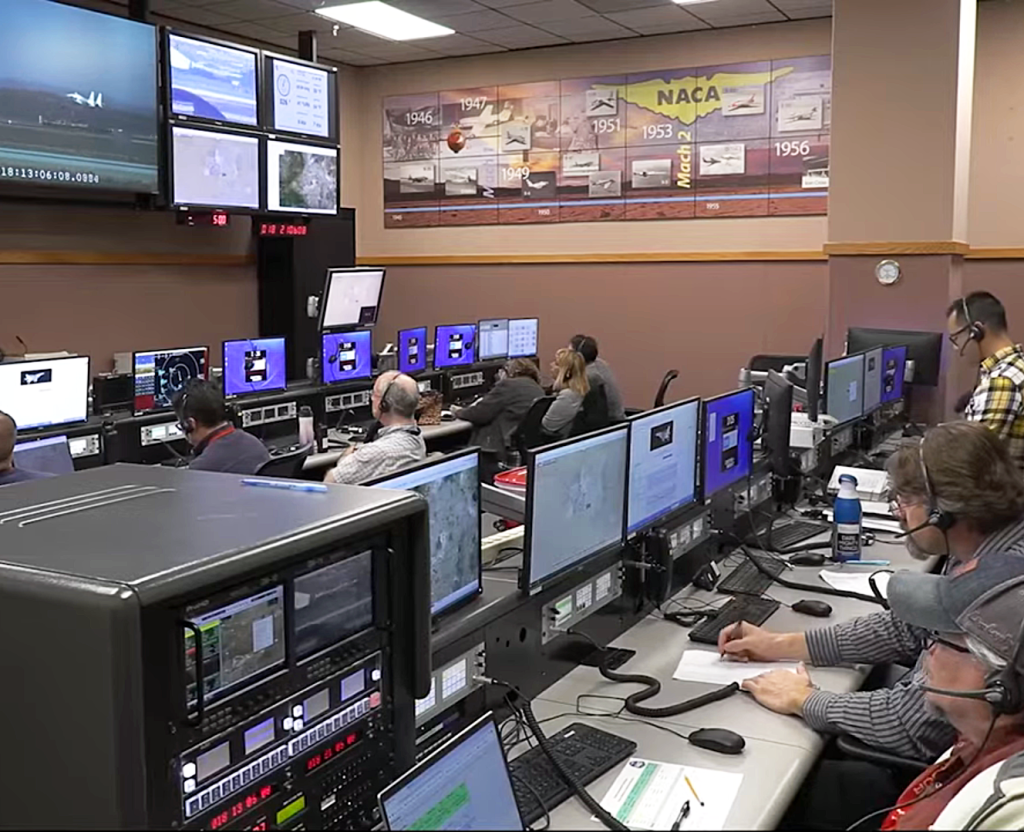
<point x="744" y="608"/>
<point x="796" y="532"/>
<point x="585" y="751"/>
<point x="747" y="579"/>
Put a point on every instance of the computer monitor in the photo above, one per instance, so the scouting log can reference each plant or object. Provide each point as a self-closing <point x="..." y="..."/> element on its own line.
<point x="492" y="335"/>
<point x="814" y="359"/>
<point x="161" y="374"/>
<point x="923" y="348"/>
<point x="301" y="98"/>
<point x="872" y="380"/>
<point x="523" y="335"/>
<point x="728" y="439"/>
<point x="451" y="486"/>
<point x="575" y="495"/>
<point x="662" y="463"/>
<point x="464" y="785"/>
<point x="894" y="365"/>
<point x="412" y="350"/>
<point x="51" y="455"/>
<point x="43" y="394"/>
<point x="844" y="388"/>
<point x="212" y="80"/>
<point x="346" y="356"/>
<point x="777" y="418"/>
<point x="351" y="298"/>
<point x="302" y="178"/>
<point x="254" y="365"/>
<point x="454" y="346"/>
<point x="213" y="169"/>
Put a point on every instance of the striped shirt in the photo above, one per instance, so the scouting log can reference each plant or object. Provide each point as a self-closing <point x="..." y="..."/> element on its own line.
<point x="998" y="400"/>
<point x="897" y="719"/>
<point x="395" y="447"/>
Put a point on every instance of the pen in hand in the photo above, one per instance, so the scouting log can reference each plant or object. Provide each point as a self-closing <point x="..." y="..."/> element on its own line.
<point x="684" y="813"/>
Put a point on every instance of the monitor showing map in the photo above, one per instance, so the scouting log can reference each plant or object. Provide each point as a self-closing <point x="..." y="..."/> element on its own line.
<point x="214" y="170"/>
<point x="575" y="499"/>
<point x="302" y="178"/>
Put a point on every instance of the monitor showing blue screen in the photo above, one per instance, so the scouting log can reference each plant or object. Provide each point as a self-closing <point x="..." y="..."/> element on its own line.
<point x="347" y="356"/>
<point x="662" y="463"/>
<point x="454" y="346"/>
<point x="254" y="366"/>
<point x="894" y="365"/>
<point x="212" y="81"/>
<point x="412" y="350"/>
<point x="728" y="440"/>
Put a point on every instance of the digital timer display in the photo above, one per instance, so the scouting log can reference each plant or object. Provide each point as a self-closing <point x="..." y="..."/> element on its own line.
<point x="242" y="805"/>
<point x="331" y="750"/>
<point x="283" y="229"/>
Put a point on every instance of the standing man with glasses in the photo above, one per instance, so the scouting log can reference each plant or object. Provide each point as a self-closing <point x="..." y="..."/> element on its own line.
<point x="998" y="398"/>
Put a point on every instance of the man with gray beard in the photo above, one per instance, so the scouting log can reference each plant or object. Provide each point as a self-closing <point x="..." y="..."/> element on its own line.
<point x="956" y="493"/>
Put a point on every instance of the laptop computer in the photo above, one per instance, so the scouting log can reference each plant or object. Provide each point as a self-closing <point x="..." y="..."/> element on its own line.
<point x="45" y="456"/>
<point x="465" y="784"/>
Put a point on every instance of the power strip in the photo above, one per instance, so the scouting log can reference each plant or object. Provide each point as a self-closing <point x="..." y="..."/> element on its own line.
<point x="583" y="601"/>
<point x="491" y="546"/>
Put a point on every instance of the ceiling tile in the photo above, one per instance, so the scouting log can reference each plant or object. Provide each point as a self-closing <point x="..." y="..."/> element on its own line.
<point x="199" y="16"/>
<point x="251" y="9"/>
<point x="538" y="13"/>
<point x="605" y="6"/>
<point x="457" y="45"/>
<point x="504" y="4"/>
<point x="593" y="27"/>
<point x="306" y="5"/>
<point x="475" y="21"/>
<point x="291" y="23"/>
<point x="254" y="31"/>
<point x="396" y="51"/>
<point x="746" y="19"/>
<point x="520" y="37"/>
<point x="357" y="41"/>
<point x="430" y="9"/>
<point x="661" y="16"/>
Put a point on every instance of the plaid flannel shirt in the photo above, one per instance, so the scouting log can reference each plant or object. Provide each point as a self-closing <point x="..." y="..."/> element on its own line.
<point x="998" y="400"/>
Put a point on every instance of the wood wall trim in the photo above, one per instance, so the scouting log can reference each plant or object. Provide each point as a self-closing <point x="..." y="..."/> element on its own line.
<point x="877" y="249"/>
<point x="625" y="257"/>
<point x="996" y="254"/>
<point x="14" y="257"/>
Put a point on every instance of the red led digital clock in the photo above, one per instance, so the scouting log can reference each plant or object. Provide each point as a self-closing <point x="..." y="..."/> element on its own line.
<point x="242" y="805"/>
<point x="282" y="229"/>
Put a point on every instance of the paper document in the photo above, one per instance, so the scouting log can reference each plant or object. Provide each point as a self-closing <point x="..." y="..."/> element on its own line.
<point x="872" y="522"/>
<point x="707" y="666"/>
<point x="855" y="579"/>
<point x="871" y="484"/>
<point x="650" y="795"/>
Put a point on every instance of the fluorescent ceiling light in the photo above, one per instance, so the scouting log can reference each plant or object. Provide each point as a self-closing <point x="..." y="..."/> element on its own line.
<point x="385" y="21"/>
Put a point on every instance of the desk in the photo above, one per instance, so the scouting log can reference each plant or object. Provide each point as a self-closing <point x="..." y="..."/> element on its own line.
<point x="432" y="435"/>
<point x="780" y="749"/>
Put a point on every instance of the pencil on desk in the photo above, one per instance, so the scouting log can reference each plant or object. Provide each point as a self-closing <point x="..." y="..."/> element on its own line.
<point x="692" y="789"/>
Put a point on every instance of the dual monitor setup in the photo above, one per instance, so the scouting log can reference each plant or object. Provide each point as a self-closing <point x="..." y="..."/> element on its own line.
<point x="461" y="345"/>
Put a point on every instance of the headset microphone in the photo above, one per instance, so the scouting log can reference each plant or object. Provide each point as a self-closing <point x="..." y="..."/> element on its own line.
<point x="909" y="532"/>
<point x="995" y="696"/>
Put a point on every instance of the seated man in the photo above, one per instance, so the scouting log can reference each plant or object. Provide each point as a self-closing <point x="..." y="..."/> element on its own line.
<point x="399" y="442"/>
<point x="216" y="444"/>
<point x="962" y="472"/>
<point x="599" y="374"/>
<point x="9" y="475"/>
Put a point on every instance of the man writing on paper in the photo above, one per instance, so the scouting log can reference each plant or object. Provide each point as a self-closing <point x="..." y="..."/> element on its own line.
<point x="998" y="398"/>
<point x="976" y="506"/>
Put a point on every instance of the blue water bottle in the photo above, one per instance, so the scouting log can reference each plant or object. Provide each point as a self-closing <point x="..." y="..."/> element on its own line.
<point x="848" y="519"/>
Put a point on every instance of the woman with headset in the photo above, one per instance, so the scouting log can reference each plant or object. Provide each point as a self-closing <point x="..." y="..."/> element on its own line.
<point x="571" y="388"/>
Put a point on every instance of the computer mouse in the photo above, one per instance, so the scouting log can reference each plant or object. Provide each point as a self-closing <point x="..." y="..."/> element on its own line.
<point x="807" y="559"/>
<point x="812" y="606"/>
<point x="720" y="740"/>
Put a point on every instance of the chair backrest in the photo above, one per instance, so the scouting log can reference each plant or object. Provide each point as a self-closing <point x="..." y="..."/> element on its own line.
<point x="285" y="466"/>
<point x="530" y="433"/>
<point x="593" y="414"/>
<point x="764" y="363"/>
<point x="670" y="376"/>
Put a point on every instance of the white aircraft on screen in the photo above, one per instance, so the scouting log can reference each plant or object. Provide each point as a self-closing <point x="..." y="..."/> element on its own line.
<point x="94" y="100"/>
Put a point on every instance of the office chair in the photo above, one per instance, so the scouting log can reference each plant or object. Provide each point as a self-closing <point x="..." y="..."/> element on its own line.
<point x="670" y="376"/>
<point x="286" y="466"/>
<point x="530" y="434"/>
<point x="593" y="413"/>
<point x="854" y="749"/>
<point x="764" y="363"/>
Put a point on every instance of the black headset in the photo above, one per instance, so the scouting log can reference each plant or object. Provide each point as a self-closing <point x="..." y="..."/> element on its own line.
<point x="975" y="331"/>
<point x="937" y="516"/>
<point x="186" y="423"/>
<point x="385" y="405"/>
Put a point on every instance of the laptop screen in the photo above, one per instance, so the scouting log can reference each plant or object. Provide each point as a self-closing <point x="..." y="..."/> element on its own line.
<point x="45" y="456"/>
<point x="463" y="785"/>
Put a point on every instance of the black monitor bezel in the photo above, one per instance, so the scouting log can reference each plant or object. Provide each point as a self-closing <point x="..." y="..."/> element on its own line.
<point x="479" y="356"/>
<point x="429" y="463"/>
<point x="828" y="365"/>
<point x="135" y="356"/>
<point x="327" y="287"/>
<point x="88" y="385"/>
<point x="524" y="355"/>
<point x="881" y="350"/>
<point x="911" y="339"/>
<point x="525" y="584"/>
<point x="267" y="109"/>
<point x="224" y="366"/>
<point x="903" y="386"/>
<point x="778" y="461"/>
<point x="261" y="144"/>
<point x="426" y="343"/>
<point x="703" y="436"/>
<point x="698" y="494"/>
<point x="281" y="213"/>
<point x="476" y="352"/>
<point x="320" y="356"/>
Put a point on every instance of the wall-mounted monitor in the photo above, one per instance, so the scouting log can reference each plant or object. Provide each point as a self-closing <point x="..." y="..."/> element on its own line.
<point x="212" y="81"/>
<point x="212" y="169"/>
<point x="78" y="99"/>
<point x="301" y="98"/>
<point x="351" y="298"/>
<point x="302" y="178"/>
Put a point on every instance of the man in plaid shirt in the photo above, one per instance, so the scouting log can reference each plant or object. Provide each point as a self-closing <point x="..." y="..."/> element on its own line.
<point x="998" y="399"/>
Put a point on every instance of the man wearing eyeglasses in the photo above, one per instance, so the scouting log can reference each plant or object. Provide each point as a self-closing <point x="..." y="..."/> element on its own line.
<point x="998" y="398"/>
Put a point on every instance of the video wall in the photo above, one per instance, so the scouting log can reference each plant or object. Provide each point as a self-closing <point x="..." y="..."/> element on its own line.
<point x="738" y="140"/>
<point x="80" y="104"/>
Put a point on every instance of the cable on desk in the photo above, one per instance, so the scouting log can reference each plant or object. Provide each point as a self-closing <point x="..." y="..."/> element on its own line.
<point x="536" y="796"/>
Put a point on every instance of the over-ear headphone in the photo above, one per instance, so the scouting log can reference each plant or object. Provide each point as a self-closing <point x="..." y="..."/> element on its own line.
<point x="1003" y="690"/>
<point x="185" y="422"/>
<point x="937" y="517"/>
<point x="975" y="331"/>
<point x="385" y="405"/>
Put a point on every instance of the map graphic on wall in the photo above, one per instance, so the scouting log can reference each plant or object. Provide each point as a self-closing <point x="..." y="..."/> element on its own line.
<point x="740" y="140"/>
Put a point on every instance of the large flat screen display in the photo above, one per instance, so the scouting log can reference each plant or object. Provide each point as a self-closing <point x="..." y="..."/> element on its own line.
<point x="212" y="81"/>
<point x="301" y="98"/>
<point x="215" y="170"/>
<point x="302" y="178"/>
<point x="78" y="101"/>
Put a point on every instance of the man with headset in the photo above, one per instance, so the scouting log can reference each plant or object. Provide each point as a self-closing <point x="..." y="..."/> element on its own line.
<point x="216" y="444"/>
<point x="998" y="398"/>
<point x="398" y="443"/>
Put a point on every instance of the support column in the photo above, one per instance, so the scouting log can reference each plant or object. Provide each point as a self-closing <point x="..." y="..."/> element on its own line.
<point x="903" y="77"/>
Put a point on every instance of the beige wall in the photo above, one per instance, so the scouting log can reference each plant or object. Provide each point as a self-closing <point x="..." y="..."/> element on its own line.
<point x="812" y="37"/>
